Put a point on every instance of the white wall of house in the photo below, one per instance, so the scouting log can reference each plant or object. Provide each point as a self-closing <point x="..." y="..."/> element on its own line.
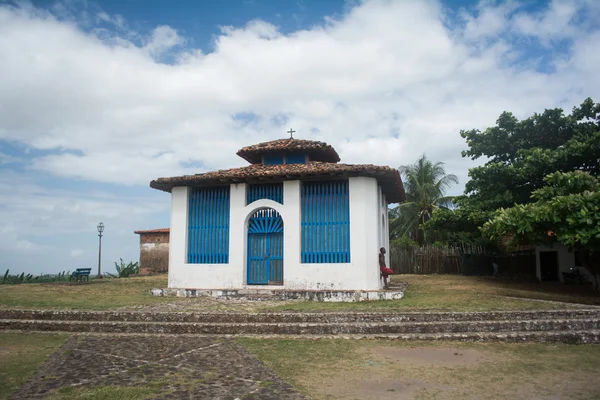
<point x="566" y="259"/>
<point x="367" y="235"/>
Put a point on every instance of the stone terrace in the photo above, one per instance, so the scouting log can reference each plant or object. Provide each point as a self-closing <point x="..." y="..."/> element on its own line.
<point x="567" y="326"/>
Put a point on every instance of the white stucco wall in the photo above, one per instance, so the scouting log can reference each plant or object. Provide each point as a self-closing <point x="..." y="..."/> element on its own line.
<point x="367" y="235"/>
<point x="566" y="260"/>
<point x="178" y="234"/>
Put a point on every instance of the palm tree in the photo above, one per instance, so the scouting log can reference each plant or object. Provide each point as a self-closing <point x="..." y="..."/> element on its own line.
<point x="425" y="184"/>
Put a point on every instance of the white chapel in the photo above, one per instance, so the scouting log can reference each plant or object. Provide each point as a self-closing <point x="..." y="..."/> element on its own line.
<point x="295" y="218"/>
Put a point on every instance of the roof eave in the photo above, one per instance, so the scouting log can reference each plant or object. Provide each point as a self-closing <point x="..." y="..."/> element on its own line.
<point x="152" y="231"/>
<point x="193" y="181"/>
<point x="248" y="157"/>
<point x="323" y="155"/>
<point x="400" y="186"/>
<point x="165" y="187"/>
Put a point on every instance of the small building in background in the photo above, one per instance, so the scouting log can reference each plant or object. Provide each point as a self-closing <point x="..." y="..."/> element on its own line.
<point x="552" y="261"/>
<point x="154" y="251"/>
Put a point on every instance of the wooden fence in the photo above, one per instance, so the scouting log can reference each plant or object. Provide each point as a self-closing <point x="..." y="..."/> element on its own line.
<point x="467" y="260"/>
<point x="425" y="260"/>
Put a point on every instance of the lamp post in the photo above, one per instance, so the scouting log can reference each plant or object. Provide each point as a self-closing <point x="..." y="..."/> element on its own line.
<point x="100" y="230"/>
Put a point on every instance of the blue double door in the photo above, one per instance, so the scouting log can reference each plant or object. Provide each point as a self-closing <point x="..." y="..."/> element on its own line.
<point x="265" y="248"/>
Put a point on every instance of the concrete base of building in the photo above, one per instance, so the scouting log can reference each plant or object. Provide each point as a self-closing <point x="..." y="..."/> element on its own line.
<point x="271" y="293"/>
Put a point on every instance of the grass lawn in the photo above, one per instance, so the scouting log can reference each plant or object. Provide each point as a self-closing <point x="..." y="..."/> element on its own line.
<point x="364" y="369"/>
<point x="102" y="393"/>
<point x="464" y="293"/>
<point x="425" y="292"/>
<point x="21" y="355"/>
<point x="99" y="294"/>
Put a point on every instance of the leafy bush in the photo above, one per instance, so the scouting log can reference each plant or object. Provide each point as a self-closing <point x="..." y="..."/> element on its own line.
<point x="404" y="242"/>
<point x="8" y="279"/>
<point x="124" y="270"/>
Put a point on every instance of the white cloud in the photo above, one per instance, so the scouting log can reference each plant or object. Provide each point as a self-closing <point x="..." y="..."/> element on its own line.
<point x="76" y="252"/>
<point x="30" y="209"/>
<point x="117" y="20"/>
<point x="163" y="38"/>
<point x="8" y="159"/>
<point x="138" y="166"/>
<point x="490" y="20"/>
<point x="47" y="229"/>
<point x="12" y="239"/>
<point x="382" y="68"/>
<point x="554" y="22"/>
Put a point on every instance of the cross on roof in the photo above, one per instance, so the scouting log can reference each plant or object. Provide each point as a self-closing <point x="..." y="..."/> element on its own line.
<point x="291" y="132"/>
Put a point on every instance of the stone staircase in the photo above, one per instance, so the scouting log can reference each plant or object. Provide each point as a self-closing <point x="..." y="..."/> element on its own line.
<point x="559" y="326"/>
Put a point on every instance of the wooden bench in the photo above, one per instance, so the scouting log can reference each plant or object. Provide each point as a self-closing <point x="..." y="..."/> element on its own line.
<point x="80" y="274"/>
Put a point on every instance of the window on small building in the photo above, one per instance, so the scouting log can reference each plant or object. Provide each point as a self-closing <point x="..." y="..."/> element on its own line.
<point x="295" y="159"/>
<point x="208" y="226"/>
<point x="273" y="159"/>
<point x="325" y="222"/>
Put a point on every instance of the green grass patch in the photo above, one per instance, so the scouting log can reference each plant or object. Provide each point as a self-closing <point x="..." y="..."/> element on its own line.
<point x="102" y="393"/>
<point x="424" y="293"/>
<point x="284" y="355"/>
<point x="98" y="294"/>
<point x="21" y="355"/>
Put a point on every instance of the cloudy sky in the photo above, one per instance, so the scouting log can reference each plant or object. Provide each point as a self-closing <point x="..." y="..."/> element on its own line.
<point x="97" y="98"/>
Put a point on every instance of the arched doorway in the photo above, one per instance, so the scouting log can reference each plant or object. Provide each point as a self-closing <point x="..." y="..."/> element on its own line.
<point x="265" y="248"/>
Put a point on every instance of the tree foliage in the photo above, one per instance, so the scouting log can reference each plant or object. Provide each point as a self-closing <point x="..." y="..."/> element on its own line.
<point x="519" y="155"/>
<point x="425" y="184"/>
<point x="566" y="209"/>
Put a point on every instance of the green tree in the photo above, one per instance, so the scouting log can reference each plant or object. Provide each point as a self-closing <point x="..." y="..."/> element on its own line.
<point x="519" y="154"/>
<point x="425" y="184"/>
<point x="565" y="210"/>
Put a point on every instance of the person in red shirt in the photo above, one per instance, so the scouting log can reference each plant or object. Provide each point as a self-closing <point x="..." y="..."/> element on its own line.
<point x="385" y="271"/>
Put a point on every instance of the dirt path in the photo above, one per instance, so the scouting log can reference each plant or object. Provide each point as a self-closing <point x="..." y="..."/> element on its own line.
<point x="155" y="367"/>
<point x="391" y="372"/>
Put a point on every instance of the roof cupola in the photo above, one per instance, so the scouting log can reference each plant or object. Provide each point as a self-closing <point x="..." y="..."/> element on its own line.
<point x="289" y="151"/>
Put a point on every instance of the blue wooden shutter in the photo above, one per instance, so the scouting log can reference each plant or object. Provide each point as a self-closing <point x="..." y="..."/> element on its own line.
<point x="325" y="222"/>
<point x="270" y="192"/>
<point x="273" y="159"/>
<point x="295" y="158"/>
<point x="208" y="227"/>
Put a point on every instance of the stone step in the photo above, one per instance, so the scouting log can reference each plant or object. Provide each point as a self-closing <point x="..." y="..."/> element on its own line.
<point x="285" y="317"/>
<point x="575" y="337"/>
<point x="438" y="327"/>
<point x="567" y="337"/>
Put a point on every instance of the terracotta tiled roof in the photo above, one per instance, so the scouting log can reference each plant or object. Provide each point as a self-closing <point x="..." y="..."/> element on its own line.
<point x="388" y="178"/>
<point x="318" y="151"/>
<point x="160" y="230"/>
